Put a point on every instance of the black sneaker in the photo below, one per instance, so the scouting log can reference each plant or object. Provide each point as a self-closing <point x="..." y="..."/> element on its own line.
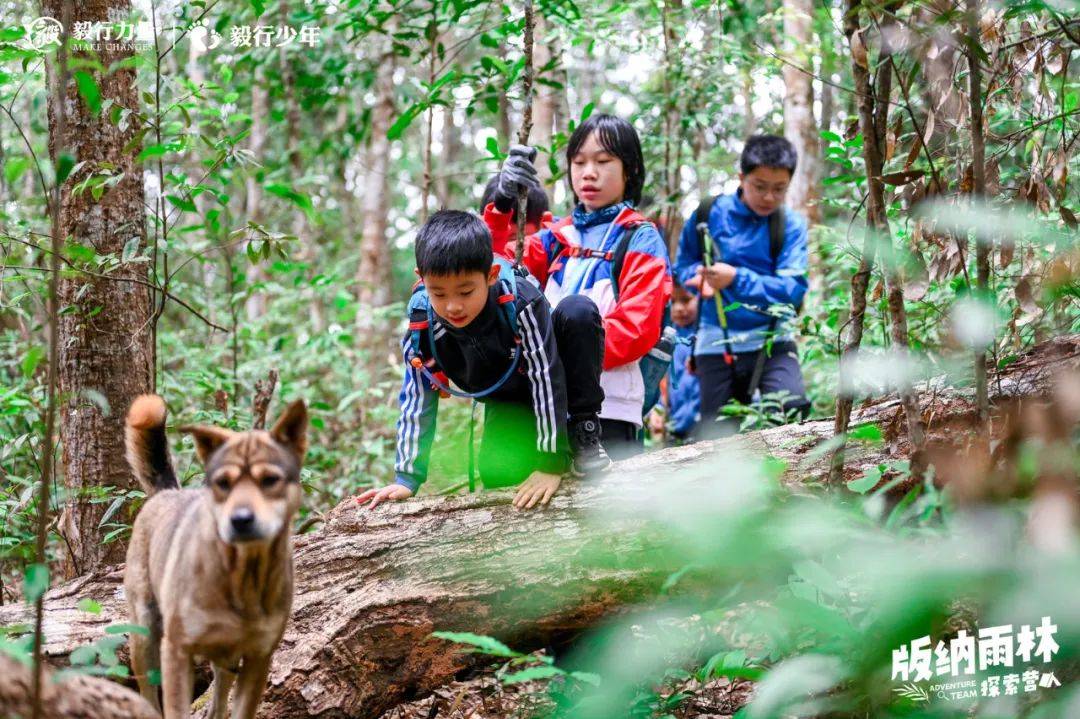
<point x="589" y="454"/>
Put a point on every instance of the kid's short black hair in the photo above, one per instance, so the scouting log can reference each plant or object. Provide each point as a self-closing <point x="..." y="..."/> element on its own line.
<point x="618" y="137"/>
<point x="535" y="207"/>
<point x="452" y="242"/>
<point x="768" y="151"/>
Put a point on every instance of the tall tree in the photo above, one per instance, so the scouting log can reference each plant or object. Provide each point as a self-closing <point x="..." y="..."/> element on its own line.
<point x="799" y="125"/>
<point x="874" y="92"/>
<point x="105" y="352"/>
<point x="374" y="252"/>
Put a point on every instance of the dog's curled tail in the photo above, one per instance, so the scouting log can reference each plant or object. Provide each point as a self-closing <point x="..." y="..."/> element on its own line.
<point x="147" y="448"/>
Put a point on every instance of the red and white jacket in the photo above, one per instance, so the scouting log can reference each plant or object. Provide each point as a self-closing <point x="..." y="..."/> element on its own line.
<point x="632" y="323"/>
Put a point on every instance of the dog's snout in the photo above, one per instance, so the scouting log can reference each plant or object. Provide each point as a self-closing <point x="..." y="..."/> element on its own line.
<point x="242" y="520"/>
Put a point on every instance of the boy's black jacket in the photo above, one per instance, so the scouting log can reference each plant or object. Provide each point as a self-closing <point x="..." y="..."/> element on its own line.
<point x="474" y="358"/>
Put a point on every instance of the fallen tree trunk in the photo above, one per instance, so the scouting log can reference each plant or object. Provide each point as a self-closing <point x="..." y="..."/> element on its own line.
<point x="373" y="586"/>
<point x="73" y="697"/>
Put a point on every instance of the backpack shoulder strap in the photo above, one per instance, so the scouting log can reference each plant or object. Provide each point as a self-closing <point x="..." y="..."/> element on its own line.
<point x="777" y="225"/>
<point x="508" y="274"/>
<point x="618" y="258"/>
<point x="701" y="218"/>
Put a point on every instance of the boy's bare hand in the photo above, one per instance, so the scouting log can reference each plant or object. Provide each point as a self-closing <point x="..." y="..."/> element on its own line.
<point x="539" y="487"/>
<point x="390" y="493"/>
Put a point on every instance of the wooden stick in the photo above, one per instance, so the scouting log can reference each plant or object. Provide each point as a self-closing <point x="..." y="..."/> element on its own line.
<point x="526" y="125"/>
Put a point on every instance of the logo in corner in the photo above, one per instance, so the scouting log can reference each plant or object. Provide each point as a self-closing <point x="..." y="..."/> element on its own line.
<point x="43" y="31"/>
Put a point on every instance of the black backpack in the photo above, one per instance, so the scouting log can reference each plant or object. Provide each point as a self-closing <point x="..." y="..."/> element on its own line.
<point x="777" y="220"/>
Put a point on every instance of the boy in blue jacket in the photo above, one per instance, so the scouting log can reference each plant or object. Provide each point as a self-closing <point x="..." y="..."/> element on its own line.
<point x="498" y="340"/>
<point x="684" y="391"/>
<point x="755" y="279"/>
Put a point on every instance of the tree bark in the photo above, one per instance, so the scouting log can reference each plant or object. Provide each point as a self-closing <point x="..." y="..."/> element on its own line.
<point x="106" y="348"/>
<point x="374" y="252"/>
<point x="255" y="305"/>
<point x="372" y="586"/>
<point x="873" y="99"/>
<point x="983" y="246"/>
<point x="799" y="126"/>
<point x="79" y="696"/>
<point x="546" y="104"/>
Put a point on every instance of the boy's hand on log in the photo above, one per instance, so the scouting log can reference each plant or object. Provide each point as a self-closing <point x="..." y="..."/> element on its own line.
<point x="390" y="493"/>
<point x="719" y="275"/>
<point x="539" y="487"/>
<point x="517" y="172"/>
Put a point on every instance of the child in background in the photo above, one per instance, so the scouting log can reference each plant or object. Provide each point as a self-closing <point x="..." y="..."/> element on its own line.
<point x="574" y="259"/>
<point x="750" y="273"/>
<point x="479" y="325"/>
<point x="684" y="392"/>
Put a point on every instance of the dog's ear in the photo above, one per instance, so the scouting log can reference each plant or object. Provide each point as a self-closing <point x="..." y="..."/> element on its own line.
<point x="207" y="439"/>
<point x="291" y="428"/>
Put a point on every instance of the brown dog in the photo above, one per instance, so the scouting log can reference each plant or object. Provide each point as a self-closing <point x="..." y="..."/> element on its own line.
<point x="210" y="570"/>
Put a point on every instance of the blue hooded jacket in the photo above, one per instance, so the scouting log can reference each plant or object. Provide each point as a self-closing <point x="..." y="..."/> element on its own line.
<point x="741" y="238"/>
<point x="684" y="392"/>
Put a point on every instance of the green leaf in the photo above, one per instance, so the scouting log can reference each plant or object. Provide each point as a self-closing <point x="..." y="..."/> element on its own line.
<point x="865" y="483"/>
<point x="35" y="581"/>
<point x="158" y="150"/>
<point x="131" y="248"/>
<point x="89" y="90"/>
<point x="287" y="192"/>
<point x="14" y="168"/>
<point x="84" y="655"/>
<point x="89" y="605"/>
<point x="585" y="112"/>
<point x="127" y="629"/>
<point x="258" y="6"/>
<point x="541" y="672"/>
<point x="154" y="677"/>
<point x="182" y="202"/>
<point x="405" y="120"/>
<point x="116" y="504"/>
<point x="493" y="147"/>
<point x="482" y="644"/>
<point x="494" y="64"/>
<point x="63" y="167"/>
<point x="831" y="137"/>
<point x="866" y="433"/>
<point x="33" y="358"/>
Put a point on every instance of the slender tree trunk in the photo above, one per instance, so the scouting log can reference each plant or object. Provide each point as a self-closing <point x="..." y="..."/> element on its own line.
<point x="545" y="106"/>
<point x="799" y="126"/>
<point x="301" y="228"/>
<point x="429" y="135"/>
<point x="445" y="184"/>
<point x="374" y="253"/>
<point x="983" y="245"/>
<point x="255" y="305"/>
<point x="105" y="353"/>
<point x="873" y="101"/>
<point x="749" y="121"/>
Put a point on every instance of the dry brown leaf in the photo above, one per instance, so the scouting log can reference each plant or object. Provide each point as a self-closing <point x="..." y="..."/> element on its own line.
<point x="902" y="178"/>
<point x="1025" y="296"/>
<point x="967" y="181"/>
<point x="879" y="290"/>
<point x="1006" y="251"/>
<point x="928" y="130"/>
<point x="1068" y="216"/>
<point x="858" y="49"/>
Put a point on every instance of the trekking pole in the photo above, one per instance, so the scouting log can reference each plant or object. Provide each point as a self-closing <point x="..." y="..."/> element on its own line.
<point x="526" y="126"/>
<point x="708" y="251"/>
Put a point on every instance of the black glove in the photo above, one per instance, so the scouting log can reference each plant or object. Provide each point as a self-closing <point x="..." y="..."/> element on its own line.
<point x="517" y="172"/>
